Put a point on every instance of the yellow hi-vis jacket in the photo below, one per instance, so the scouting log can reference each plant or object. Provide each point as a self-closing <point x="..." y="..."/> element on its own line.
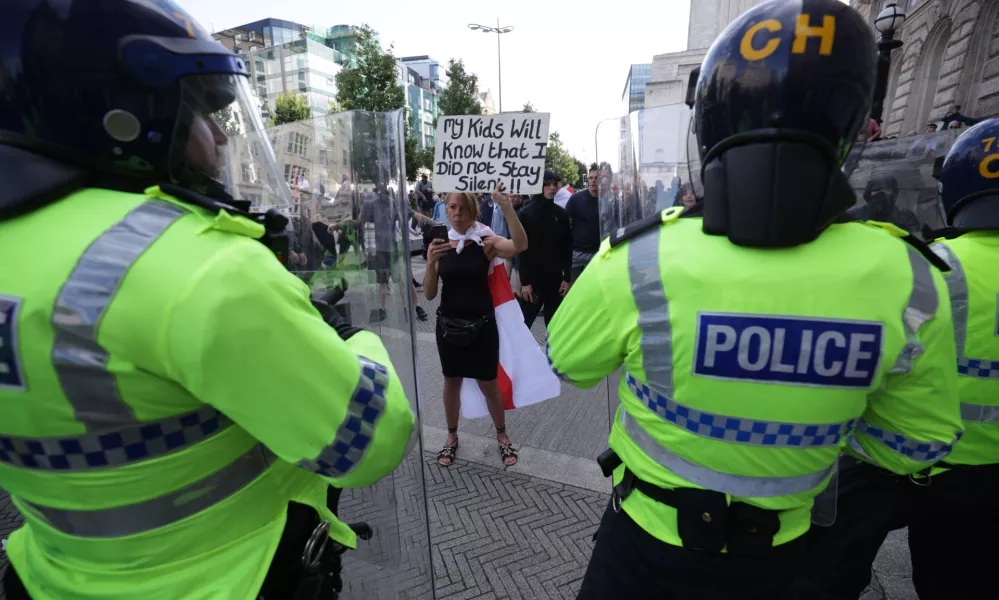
<point x="747" y="371"/>
<point x="166" y="389"/>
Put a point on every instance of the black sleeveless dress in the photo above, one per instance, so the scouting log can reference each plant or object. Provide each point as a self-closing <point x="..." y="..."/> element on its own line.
<point x="465" y="295"/>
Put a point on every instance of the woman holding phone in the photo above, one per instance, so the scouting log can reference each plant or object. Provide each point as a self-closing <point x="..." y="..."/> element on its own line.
<point x="467" y="336"/>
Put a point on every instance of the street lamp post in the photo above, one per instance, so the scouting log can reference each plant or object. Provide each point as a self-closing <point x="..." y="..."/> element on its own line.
<point x="887" y="22"/>
<point x="498" y="30"/>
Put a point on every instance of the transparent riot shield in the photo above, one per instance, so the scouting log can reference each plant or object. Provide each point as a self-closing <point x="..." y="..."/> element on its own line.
<point x="641" y="160"/>
<point x="893" y="180"/>
<point x="348" y="221"/>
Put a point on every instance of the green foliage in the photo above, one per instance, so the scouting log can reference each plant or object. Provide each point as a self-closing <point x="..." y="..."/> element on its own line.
<point x="425" y="158"/>
<point x="334" y="107"/>
<point x="228" y="121"/>
<point x="290" y="107"/>
<point x="411" y="166"/>
<point x="528" y="108"/>
<point x="558" y="159"/>
<point x="372" y="85"/>
<point x="459" y="97"/>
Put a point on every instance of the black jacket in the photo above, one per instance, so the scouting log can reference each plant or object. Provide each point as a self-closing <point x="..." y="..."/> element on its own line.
<point x="548" y="258"/>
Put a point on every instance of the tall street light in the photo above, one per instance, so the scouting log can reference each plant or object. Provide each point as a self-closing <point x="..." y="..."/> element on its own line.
<point x="887" y="22"/>
<point x="499" y="59"/>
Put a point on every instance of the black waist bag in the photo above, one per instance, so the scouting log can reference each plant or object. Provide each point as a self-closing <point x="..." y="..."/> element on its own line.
<point x="461" y="332"/>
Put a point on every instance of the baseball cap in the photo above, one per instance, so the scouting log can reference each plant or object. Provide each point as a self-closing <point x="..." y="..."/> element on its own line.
<point x="550" y="175"/>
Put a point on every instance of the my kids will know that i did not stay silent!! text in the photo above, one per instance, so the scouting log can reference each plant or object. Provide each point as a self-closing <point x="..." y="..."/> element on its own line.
<point x="476" y="153"/>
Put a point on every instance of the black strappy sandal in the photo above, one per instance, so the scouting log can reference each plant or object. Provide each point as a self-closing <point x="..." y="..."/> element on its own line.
<point x="507" y="450"/>
<point x="449" y="452"/>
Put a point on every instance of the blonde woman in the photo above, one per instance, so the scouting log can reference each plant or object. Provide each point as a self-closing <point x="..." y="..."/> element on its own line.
<point x="467" y="336"/>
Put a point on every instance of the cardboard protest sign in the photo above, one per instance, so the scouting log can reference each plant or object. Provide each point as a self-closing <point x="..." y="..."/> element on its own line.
<point x="476" y="152"/>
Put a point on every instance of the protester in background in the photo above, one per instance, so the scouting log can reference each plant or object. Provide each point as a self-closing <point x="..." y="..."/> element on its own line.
<point x="685" y="197"/>
<point x="584" y="218"/>
<point x="870" y="133"/>
<point x="467" y="334"/>
<point x="955" y="116"/>
<point x="440" y="210"/>
<point x="425" y="196"/>
<point x="379" y="220"/>
<point x="546" y="266"/>
<point x="880" y="197"/>
<point x="485" y="209"/>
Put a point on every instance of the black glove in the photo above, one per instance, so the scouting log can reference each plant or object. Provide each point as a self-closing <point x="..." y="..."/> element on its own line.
<point x="343" y="327"/>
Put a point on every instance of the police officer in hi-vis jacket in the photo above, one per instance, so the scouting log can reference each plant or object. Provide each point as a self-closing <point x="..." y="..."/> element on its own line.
<point x="795" y="331"/>
<point x="172" y="406"/>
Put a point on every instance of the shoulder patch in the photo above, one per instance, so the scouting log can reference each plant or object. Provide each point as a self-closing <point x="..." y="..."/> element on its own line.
<point x="633" y="230"/>
<point x="913" y="241"/>
<point x="11" y="373"/>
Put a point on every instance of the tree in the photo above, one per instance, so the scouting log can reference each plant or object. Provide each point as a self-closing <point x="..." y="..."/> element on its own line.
<point x="558" y="159"/>
<point x="425" y="158"/>
<point x="460" y="95"/>
<point x="289" y="108"/>
<point x="528" y="108"/>
<point x="372" y="85"/>
<point x="228" y="121"/>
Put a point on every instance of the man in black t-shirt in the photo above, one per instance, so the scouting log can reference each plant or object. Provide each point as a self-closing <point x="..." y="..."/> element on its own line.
<point x="584" y="216"/>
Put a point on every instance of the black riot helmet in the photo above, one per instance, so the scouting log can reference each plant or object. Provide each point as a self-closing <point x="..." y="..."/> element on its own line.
<point x="780" y="98"/>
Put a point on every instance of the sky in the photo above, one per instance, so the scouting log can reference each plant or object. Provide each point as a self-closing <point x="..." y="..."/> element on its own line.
<point x="566" y="61"/>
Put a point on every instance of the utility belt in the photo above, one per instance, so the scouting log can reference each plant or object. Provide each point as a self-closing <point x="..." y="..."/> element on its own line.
<point x="307" y="564"/>
<point x="705" y="520"/>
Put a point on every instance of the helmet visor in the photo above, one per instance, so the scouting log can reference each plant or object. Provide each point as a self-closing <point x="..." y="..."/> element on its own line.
<point x="223" y="145"/>
<point x="694" y="185"/>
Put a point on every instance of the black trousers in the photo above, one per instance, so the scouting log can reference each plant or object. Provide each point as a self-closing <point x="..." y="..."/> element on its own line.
<point x="545" y="296"/>
<point x="630" y="564"/>
<point x="12" y="586"/>
<point x="952" y="524"/>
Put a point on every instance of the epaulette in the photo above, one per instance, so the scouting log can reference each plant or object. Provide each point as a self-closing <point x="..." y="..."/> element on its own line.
<point x="633" y="230"/>
<point x="913" y="241"/>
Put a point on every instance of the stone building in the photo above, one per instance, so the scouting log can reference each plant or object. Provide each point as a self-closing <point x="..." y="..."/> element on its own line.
<point x="708" y="18"/>
<point x="950" y="56"/>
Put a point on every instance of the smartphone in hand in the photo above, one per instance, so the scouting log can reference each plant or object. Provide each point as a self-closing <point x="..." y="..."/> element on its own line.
<point x="439" y="232"/>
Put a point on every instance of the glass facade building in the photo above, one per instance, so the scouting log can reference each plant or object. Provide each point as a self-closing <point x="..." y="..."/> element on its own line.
<point x="415" y="77"/>
<point x="303" y="66"/>
<point x="634" y="86"/>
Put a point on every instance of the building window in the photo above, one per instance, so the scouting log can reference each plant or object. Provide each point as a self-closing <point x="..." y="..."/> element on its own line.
<point x="247" y="174"/>
<point x="287" y="173"/>
<point x="345" y="158"/>
<point x="322" y="156"/>
<point x="298" y="143"/>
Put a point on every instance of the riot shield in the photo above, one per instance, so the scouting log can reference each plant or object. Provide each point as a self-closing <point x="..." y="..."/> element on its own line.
<point x="893" y="180"/>
<point x="348" y="220"/>
<point x="641" y="160"/>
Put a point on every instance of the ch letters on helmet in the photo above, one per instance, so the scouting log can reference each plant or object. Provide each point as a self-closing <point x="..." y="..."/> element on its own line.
<point x="984" y="168"/>
<point x="802" y="31"/>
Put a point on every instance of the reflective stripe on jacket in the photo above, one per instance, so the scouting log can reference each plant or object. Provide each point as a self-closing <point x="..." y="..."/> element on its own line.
<point x="175" y="390"/>
<point x="973" y="283"/>
<point x="747" y="371"/>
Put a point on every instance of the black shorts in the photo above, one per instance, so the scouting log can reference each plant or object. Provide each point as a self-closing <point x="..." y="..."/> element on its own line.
<point x="381" y="263"/>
